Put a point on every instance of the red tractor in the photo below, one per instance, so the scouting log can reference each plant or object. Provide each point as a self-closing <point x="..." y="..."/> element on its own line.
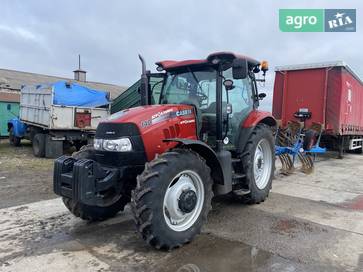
<point x="198" y="137"/>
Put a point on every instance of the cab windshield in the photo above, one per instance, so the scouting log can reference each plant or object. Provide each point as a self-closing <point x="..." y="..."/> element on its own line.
<point x="198" y="88"/>
<point x="189" y="87"/>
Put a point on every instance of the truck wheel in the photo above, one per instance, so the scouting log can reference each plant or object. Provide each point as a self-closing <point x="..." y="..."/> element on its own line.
<point x="15" y="141"/>
<point x="39" y="145"/>
<point x="172" y="198"/>
<point x="258" y="162"/>
<point x="94" y="213"/>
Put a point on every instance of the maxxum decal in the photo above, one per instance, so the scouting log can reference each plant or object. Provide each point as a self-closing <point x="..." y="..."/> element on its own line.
<point x="165" y="115"/>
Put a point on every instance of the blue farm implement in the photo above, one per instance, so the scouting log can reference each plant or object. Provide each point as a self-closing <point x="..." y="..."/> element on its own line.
<point x="295" y="142"/>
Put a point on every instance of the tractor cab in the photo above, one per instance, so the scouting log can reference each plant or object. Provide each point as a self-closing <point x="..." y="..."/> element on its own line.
<point x="222" y="90"/>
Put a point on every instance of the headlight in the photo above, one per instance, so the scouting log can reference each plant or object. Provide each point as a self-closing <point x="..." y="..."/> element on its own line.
<point x="120" y="145"/>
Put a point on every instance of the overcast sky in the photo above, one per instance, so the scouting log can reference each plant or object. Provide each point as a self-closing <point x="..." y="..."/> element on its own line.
<point x="46" y="36"/>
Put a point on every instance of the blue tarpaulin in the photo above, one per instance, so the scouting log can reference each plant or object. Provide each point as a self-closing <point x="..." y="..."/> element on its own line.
<point x="72" y="94"/>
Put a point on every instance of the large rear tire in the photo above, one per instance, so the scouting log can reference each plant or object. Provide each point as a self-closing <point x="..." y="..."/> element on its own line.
<point x="258" y="162"/>
<point x="172" y="198"/>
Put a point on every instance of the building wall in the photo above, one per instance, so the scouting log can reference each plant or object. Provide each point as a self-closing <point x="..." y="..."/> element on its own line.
<point x="8" y="110"/>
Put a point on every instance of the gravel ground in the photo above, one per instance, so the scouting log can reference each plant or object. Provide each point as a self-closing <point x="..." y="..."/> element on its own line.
<point x="23" y="177"/>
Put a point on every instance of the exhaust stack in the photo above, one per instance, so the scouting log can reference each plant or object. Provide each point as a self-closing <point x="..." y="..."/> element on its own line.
<point x="144" y="86"/>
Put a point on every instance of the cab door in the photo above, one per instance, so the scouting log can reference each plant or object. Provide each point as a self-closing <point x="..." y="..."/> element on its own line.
<point x="241" y="98"/>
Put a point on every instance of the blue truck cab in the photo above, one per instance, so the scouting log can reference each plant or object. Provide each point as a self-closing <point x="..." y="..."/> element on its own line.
<point x="17" y="130"/>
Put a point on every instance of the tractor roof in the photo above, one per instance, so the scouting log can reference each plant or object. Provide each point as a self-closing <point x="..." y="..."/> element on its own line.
<point x="174" y="64"/>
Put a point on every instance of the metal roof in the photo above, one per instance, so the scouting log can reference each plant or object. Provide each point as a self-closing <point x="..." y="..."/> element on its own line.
<point x="317" y="65"/>
<point x="13" y="80"/>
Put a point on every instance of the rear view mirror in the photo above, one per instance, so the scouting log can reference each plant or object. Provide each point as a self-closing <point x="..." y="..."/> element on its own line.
<point x="228" y="84"/>
<point x="239" y="68"/>
<point x="261" y="96"/>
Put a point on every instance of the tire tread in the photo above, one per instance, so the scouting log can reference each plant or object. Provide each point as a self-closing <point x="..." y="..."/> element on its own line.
<point x="142" y="211"/>
<point x="254" y="197"/>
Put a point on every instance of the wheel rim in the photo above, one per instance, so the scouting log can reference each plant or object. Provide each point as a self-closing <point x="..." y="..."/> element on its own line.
<point x="185" y="182"/>
<point x="262" y="165"/>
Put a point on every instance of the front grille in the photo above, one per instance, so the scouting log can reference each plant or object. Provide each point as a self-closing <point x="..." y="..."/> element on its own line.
<point x="116" y="130"/>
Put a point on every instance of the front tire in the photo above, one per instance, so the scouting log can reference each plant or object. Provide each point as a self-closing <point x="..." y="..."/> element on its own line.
<point x="93" y="213"/>
<point x="258" y="162"/>
<point x="15" y="141"/>
<point x="172" y="199"/>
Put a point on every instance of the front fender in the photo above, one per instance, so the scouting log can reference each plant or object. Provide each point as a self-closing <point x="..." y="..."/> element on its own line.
<point x="19" y="128"/>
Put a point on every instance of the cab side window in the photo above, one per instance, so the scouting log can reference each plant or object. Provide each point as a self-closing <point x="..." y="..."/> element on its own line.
<point x="156" y="83"/>
<point x="241" y="95"/>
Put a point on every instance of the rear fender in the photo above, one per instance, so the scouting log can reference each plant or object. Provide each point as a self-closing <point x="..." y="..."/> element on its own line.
<point x="222" y="180"/>
<point x="254" y="118"/>
<point x="19" y="128"/>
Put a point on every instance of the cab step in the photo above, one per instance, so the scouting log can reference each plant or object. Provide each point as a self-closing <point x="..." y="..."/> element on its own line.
<point x="238" y="176"/>
<point x="241" y="192"/>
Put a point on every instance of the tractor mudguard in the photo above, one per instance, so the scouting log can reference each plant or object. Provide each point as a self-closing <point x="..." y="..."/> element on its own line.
<point x="253" y="119"/>
<point x="219" y="163"/>
<point x="19" y="128"/>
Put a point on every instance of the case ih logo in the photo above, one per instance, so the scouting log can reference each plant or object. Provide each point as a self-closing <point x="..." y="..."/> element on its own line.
<point x="317" y="20"/>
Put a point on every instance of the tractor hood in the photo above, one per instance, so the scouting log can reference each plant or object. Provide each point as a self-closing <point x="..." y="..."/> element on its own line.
<point x="147" y="116"/>
<point x="155" y="123"/>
